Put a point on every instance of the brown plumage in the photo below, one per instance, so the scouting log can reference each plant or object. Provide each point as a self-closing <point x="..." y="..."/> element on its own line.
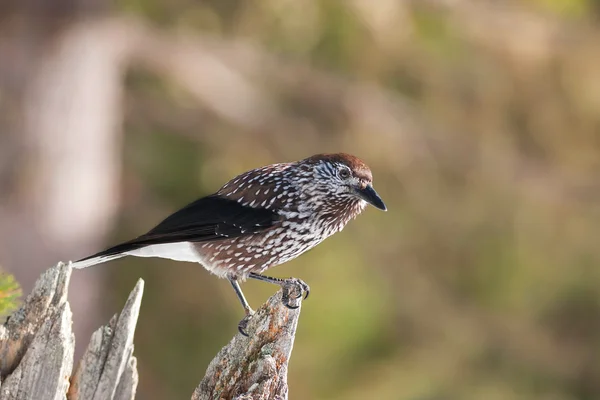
<point x="259" y="219"/>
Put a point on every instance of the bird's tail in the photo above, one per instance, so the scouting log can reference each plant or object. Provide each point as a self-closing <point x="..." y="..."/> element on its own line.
<point x="88" y="262"/>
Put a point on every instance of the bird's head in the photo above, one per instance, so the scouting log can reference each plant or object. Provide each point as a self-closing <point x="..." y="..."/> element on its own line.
<point x="345" y="178"/>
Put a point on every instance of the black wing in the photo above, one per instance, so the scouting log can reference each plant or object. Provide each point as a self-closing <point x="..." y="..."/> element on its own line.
<point x="209" y="218"/>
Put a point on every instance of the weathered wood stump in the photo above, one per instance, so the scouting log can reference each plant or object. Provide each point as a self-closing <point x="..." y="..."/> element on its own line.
<point x="254" y="367"/>
<point x="37" y="345"/>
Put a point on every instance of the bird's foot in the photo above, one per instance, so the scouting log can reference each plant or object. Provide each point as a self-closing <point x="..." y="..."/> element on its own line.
<point x="243" y="325"/>
<point x="293" y="289"/>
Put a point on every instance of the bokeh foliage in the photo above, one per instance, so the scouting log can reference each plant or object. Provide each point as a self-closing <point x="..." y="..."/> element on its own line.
<point x="9" y="294"/>
<point x="481" y="282"/>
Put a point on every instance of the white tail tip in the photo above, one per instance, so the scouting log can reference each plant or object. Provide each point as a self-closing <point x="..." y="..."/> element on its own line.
<point x="95" y="260"/>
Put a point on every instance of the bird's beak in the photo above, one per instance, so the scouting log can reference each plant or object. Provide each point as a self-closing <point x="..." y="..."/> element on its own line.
<point x="369" y="195"/>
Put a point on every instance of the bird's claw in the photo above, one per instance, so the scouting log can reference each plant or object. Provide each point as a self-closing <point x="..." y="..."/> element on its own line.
<point x="244" y="324"/>
<point x="296" y="287"/>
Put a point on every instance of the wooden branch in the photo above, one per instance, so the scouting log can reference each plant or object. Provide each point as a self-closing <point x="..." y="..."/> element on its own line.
<point x="255" y="367"/>
<point x="36" y="348"/>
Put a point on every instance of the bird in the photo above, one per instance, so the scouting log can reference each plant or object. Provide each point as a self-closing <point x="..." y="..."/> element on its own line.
<point x="259" y="219"/>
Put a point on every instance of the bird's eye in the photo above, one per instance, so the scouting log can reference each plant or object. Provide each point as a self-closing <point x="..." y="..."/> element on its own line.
<point x="344" y="173"/>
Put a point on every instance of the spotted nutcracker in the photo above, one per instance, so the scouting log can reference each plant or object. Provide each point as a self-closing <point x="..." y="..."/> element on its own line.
<point x="259" y="219"/>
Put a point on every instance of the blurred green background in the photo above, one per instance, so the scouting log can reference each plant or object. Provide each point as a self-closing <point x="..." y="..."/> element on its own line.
<point x="479" y="119"/>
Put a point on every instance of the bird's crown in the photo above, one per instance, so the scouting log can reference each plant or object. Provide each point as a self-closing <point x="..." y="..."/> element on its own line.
<point x="358" y="167"/>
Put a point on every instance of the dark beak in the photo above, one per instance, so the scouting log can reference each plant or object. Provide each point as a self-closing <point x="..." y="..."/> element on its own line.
<point x="369" y="195"/>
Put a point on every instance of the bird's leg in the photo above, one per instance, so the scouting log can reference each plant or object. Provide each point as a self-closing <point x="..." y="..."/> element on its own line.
<point x="290" y="285"/>
<point x="238" y="291"/>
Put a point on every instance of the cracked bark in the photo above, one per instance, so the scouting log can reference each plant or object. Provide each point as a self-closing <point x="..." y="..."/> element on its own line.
<point x="255" y="367"/>
<point x="37" y="345"/>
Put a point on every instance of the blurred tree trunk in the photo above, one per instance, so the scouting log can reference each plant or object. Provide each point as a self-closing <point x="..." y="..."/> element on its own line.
<point x="59" y="109"/>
